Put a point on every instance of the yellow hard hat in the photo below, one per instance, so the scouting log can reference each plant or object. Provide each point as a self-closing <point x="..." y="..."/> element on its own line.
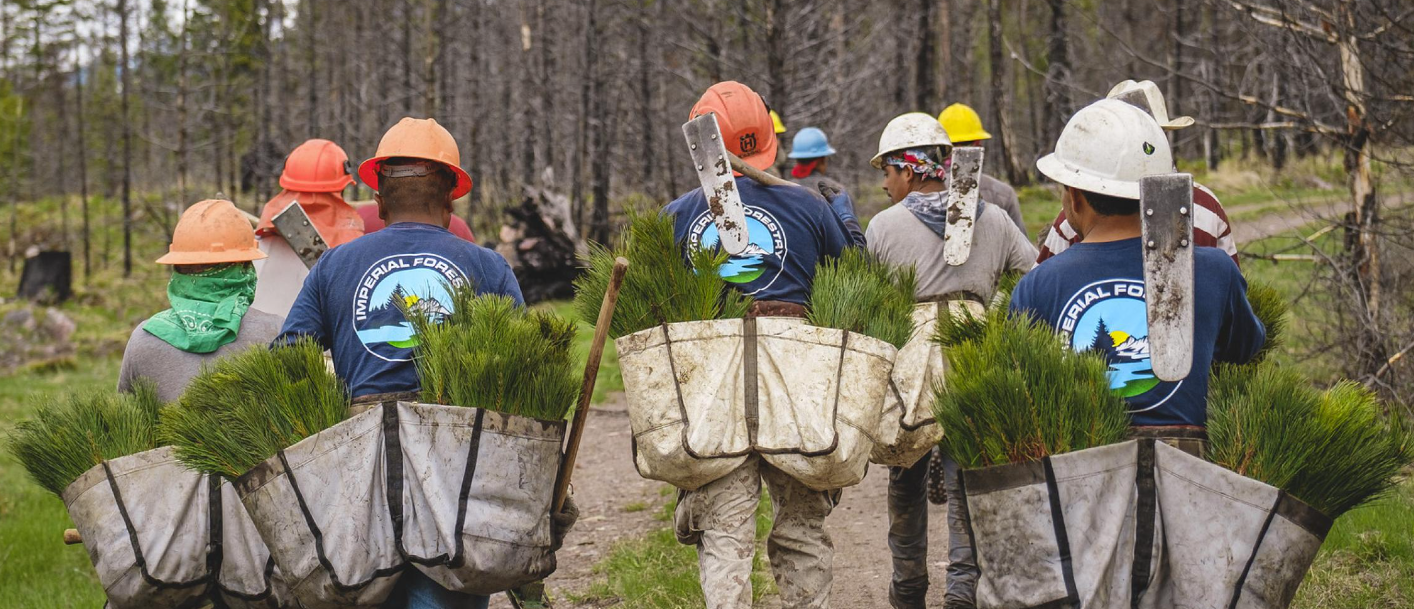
<point x="776" y="122"/>
<point x="962" y="124"/>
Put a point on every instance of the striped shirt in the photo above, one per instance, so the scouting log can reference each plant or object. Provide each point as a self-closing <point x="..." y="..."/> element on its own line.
<point x="1210" y="228"/>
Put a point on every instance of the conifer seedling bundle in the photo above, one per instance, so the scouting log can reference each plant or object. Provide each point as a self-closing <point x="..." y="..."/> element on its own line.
<point x="487" y="352"/>
<point x="860" y="293"/>
<point x="1015" y="392"/>
<point x="660" y="287"/>
<point x="69" y="436"/>
<point x="246" y="407"/>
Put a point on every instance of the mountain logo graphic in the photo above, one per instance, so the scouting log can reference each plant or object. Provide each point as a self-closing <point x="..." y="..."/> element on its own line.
<point x="1111" y="318"/>
<point x="418" y="282"/>
<point x="756" y="267"/>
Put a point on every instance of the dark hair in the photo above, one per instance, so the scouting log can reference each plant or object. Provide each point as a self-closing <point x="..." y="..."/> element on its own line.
<point x="1110" y="205"/>
<point x="416" y="192"/>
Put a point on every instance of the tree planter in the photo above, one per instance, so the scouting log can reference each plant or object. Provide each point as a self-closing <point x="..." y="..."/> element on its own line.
<point x="811" y="410"/>
<point x="907" y="428"/>
<point x="161" y="535"/>
<point x="461" y="494"/>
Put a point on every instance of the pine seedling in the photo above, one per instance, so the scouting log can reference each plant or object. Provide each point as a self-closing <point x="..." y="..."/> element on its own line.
<point x="488" y="352"/>
<point x="1017" y="393"/>
<point x="246" y="407"/>
<point x="1333" y="450"/>
<point x="662" y="285"/>
<point x="1271" y="309"/>
<point x="69" y="436"/>
<point x="860" y="293"/>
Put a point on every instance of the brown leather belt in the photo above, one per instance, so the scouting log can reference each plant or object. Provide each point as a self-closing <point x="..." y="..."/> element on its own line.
<point x="1187" y="438"/>
<point x="775" y="308"/>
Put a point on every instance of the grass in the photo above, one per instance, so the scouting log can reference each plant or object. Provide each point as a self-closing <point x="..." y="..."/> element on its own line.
<point x="860" y="293"/>
<point x="1368" y="558"/>
<point x="656" y="571"/>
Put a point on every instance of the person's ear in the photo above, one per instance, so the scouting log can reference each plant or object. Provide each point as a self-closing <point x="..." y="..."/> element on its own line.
<point x="382" y="209"/>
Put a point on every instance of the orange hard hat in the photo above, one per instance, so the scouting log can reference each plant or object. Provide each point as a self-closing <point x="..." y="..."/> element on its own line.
<point x="417" y="139"/>
<point x="317" y="166"/>
<point x="212" y="232"/>
<point x="744" y="120"/>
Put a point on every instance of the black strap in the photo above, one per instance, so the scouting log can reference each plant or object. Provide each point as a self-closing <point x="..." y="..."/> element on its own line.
<point x="139" y="559"/>
<point x="393" y="466"/>
<point x="1256" y="547"/>
<point x="473" y="453"/>
<point x="319" y="537"/>
<point x="1062" y="538"/>
<point x="749" y="372"/>
<point x="215" y="538"/>
<point x="1146" y="510"/>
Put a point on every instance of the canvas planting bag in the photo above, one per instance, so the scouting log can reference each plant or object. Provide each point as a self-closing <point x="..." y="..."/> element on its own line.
<point x="811" y="407"/>
<point x="907" y="430"/>
<point x="161" y="535"/>
<point x="461" y="494"/>
<point x="1136" y="524"/>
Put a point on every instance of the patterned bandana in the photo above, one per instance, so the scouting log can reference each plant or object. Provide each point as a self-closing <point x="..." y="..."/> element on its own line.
<point x="207" y="308"/>
<point x="918" y="161"/>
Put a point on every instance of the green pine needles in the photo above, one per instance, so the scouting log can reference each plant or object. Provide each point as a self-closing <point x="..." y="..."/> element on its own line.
<point x="1015" y="392"/>
<point x="246" y="407"/>
<point x="487" y="352"/>
<point x="860" y="293"/>
<point x="1333" y="450"/>
<point x="1270" y="308"/>
<point x="658" y="288"/>
<point x="71" y="435"/>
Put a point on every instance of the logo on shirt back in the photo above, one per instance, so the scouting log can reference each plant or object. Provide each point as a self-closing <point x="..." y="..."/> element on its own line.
<point x="417" y="281"/>
<point x="1110" y="317"/>
<point x="765" y="248"/>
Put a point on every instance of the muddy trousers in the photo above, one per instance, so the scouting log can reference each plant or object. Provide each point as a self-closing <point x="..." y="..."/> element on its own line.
<point x="720" y="519"/>
<point x="908" y="538"/>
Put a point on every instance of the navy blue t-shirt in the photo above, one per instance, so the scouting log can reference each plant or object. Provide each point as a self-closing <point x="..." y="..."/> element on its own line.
<point x="1093" y="294"/>
<point x="348" y="302"/>
<point x="790" y="231"/>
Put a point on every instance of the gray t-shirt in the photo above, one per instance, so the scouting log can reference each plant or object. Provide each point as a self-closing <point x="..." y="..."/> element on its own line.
<point x="1002" y="195"/>
<point x="171" y="368"/>
<point x="900" y="238"/>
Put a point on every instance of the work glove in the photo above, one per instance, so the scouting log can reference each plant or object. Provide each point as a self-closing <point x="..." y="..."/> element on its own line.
<point x="561" y="522"/>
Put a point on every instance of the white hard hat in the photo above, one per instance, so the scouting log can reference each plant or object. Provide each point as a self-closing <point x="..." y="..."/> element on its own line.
<point x="912" y="130"/>
<point x="1153" y="102"/>
<point x="1106" y="147"/>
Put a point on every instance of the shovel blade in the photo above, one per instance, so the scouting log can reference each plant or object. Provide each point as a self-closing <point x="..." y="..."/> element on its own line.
<point x="709" y="157"/>
<point x="299" y="231"/>
<point x="1166" y="211"/>
<point x="963" y="191"/>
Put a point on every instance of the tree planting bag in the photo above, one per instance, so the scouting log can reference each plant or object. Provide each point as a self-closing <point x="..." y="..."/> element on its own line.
<point x="1058" y="532"/>
<point x="462" y="494"/>
<point x="907" y="430"/>
<point x="811" y="411"/>
<point x="1230" y="541"/>
<point x="161" y="535"/>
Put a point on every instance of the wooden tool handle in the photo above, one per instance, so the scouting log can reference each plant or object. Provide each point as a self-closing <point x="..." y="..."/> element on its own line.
<point x="71" y="537"/>
<point x="591" y="373"/>
<point x="761" y="177"/>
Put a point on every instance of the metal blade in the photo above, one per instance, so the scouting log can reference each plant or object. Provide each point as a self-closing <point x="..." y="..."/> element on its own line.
<point x="1166" y="210"/>
<point x="709" y="156"/>
<point x="963" y="190"/>
<point x="297" y="229"/>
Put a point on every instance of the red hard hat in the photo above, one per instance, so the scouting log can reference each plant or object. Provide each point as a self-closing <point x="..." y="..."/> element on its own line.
<point x="744" y="120"/>
<point x="317" y="166"/>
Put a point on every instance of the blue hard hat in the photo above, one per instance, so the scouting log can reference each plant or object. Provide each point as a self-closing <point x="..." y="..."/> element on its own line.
<point x="810" y="143"/>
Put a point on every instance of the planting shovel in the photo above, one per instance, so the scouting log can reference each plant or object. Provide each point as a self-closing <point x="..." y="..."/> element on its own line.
<point x="586" y="389"/>
<point x="962" y="204"/>
<point x="1166" y="210"/>
<point x="297" y="229"/>
<point x="71" y="537"/>
<point x="714" y="170"/>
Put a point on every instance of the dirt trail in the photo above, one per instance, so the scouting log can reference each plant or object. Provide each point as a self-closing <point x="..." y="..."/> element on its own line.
<point x="1302" y="215"/>
<point x="606" y="484"/>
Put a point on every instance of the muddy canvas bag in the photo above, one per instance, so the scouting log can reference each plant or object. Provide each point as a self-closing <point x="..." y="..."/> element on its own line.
<point x="1057" y="532"/>
<point x="461" y="494"/>
<point x="161" y="535"/>
<point x="907" y="430"/>
<point x="811" y="407"/>
<point x="1229" y="540"/>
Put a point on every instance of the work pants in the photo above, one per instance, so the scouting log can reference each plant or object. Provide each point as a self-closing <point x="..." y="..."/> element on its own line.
<point x="720" y="519"/>
<point x="908" y="538"/>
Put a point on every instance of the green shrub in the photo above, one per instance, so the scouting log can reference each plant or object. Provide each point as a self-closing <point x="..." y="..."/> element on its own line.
<point x="1333" y="450"/>
<point x="1015" y="392"/>
<point x="246" y="407"/>
<point x="860" y="293"/>
<point x="658" y="288"/>
<point x="69" y="436"/>
<point x="487" y="352"/>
